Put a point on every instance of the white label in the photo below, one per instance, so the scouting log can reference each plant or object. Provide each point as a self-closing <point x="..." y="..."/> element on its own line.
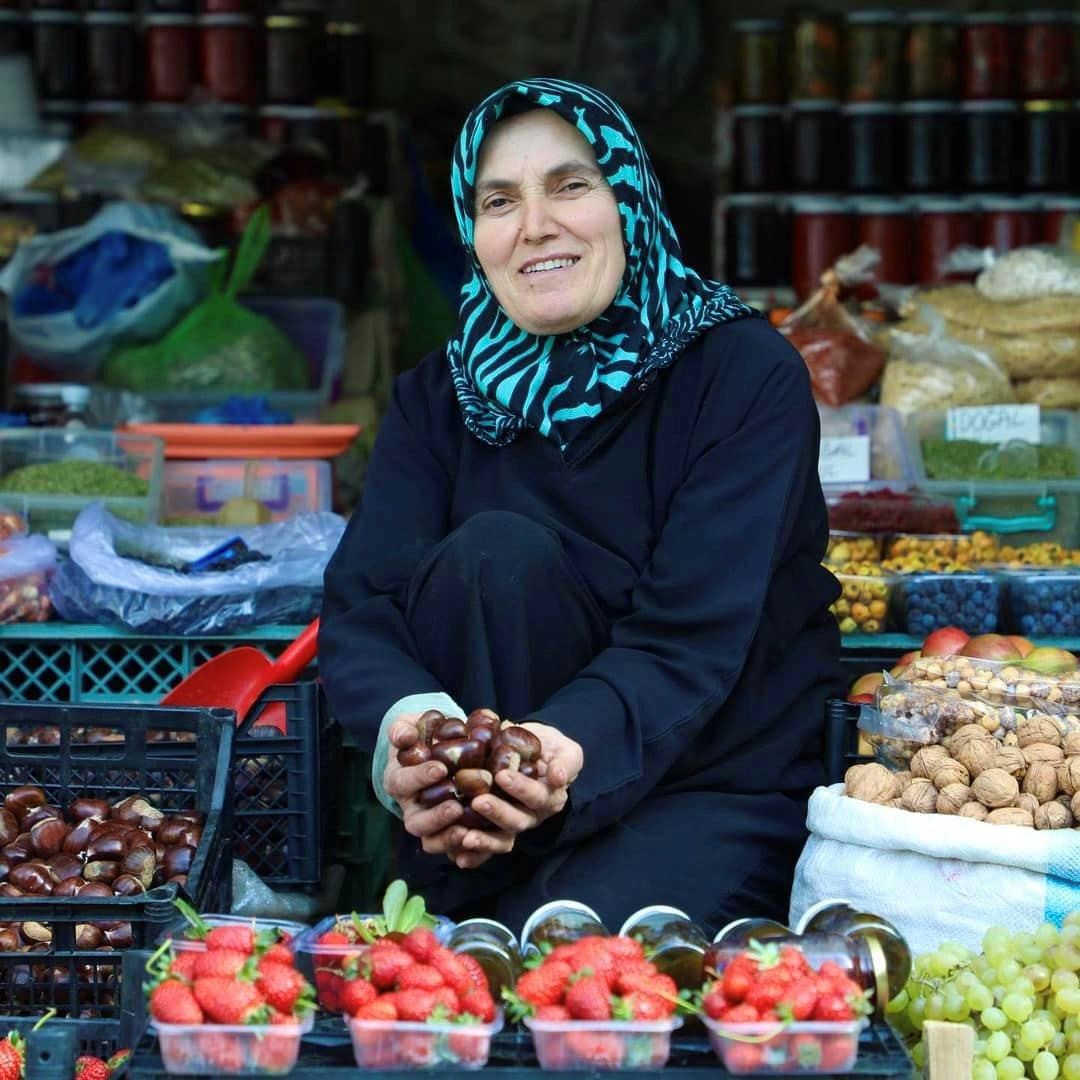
<point x="993" y="423"/>
<point x="845" y="460"/>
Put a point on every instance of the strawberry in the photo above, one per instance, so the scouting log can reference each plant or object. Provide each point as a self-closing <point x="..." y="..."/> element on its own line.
<point x="475" y="971"/>
<point x="742" y="1057"/>
<point x="837" y="1052"/>
<point x="660" y="985"/>
<point x="332" y="939"/>
<point x="479" y="1003"/>
<point x="284" y="989"/>
<point x="421" y="944"/>
<point x="544" y="985"/>
<point x="552" y="1012"/>
<point x="387" y="961"/>
<point x="223" y="1051"/>
<point x="742" y="1014"/>
<point x="454" y="973"/>
<point x="226" y="1001"/>
<point x="804" y="1052"/>
<point x="794" y="960"/>
<point x="799" y="1000"/>
<point x="420" y="977"/>
<point x="590" y="954"/>
<point x="415" y="1048"/>
<point x="601" y="1049"/>
<point x="414" y="1004"/>
<point x="715" y="1004"/>
<point x="276" y="1051"/>
<point x="172" y="1003"/>
<point x="469" y="1047"/>
<point x="241" y="938"/>
<point x="589" y="999"/>
<point x="183" y="965"/>
<point x="278" y="954"/>
<point x="644" y="1006"/>
<point x="766" y="993"/>
<point x="447" y="999"/>
<point x="625" y="950"/>
<point x="379" y="1009"/>
<point x="355" y="994"/>
<point x="833" y="1007"/>
<point x="91" y="1068"/>
<point x="330" y="987"/>
<point x="737" y="979"/>
<point x="220" y="963"/>
<point x="12" y="1056"/>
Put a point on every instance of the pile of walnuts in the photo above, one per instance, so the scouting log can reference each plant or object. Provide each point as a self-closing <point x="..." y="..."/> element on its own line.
<point x="1035" y="783"/>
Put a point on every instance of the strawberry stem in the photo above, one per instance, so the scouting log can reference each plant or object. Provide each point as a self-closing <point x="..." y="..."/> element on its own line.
<point x="193" y="918"/>
<point x="47" y="1017"/>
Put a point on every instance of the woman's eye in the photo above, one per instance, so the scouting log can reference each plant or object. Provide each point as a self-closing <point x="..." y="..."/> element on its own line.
<point x="572" y="187"/>
<point x="497" y="202"/>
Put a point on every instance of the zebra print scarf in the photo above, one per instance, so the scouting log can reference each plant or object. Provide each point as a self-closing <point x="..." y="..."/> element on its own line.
<point x="508" y="380"/>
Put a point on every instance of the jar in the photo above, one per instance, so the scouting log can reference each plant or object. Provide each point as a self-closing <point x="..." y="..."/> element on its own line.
<point x="760" y="141"/>
<point x="290" y="74"/>
<point x="14" y="35"/>
<point x="672" y="941"/>
<point x="759" y="68"/>
<point x="814" y="61"/>
<point x="1046" y="145"/>
<point x="1046" y="44"/>
<point x="822" y="230"/>
<point x="757" y="241"/>
<point x="929" y="136"/>
<point x="872" y="53"/>
<point x="559" y="922"/>
<point x="1058" y="214"/>
<point x="227" y="57"/>
<point x="105" y="112"/>
<point x="991" y="146"/>
<point x="348" y="63"/>
<point x="52" y="404"/>
<point x="886" y="226"/>
<point x="941" y="225"/>
<point x="170" y="57"/>
<point x="494" y="948"/>
<point x="58" y="53"/>
<point x="817" y="161"/>
<point x="110" y="54"/>
<point x="930" y="53"/>
<point x="739" y="933"/>
<point x="1006" y="222"/>
<point x="988" y="56"/>
<point x="297" y="125"/>
<point x="871" y="135"/>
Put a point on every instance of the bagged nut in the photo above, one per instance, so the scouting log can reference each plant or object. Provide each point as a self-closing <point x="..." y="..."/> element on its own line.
<point x="995" y="788"/>
<point x="26" y="565"/>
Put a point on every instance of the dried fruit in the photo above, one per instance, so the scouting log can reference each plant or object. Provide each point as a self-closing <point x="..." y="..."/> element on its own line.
<point x="920" y="797"/>
<point x="995" y="789"/>
<point x="1011" y="815"/>
<point x="871" y="783"/>
<point x="952" y="798"/>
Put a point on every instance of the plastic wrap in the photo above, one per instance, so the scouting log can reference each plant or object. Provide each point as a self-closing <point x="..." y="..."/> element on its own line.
<point x="26" y="566"/>
<point x="129" y="575"/>
<point x="998" y="681"/>
<point x="1029" y="274"/>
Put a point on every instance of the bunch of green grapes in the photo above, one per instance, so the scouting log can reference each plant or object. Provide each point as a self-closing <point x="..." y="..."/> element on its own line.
<point x="1021" y="994"/>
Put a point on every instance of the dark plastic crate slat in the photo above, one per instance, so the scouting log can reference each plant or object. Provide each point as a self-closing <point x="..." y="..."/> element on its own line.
<point x="841" y="739"/>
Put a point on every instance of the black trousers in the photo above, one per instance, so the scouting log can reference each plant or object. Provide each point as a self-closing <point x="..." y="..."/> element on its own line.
<point x="503" y="619"/>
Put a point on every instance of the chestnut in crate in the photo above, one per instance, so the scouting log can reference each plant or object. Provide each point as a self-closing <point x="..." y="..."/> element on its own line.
<point x="473" y="750"/>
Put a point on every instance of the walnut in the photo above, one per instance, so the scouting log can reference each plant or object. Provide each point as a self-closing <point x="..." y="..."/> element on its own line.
<point x="978" y="755"/>
<point x="1042" y="751"/>
<point x="1071" y="743"/>
<point x="1053" y="816"/>
<point x="871" y="783"/>
<point x="950" y="772"/>
<point x="1041" y="780"/>
<point x="1068" y="775"/>
<point x="920" y="796"/>
<point x="973" y="809"/>
<point x="896" y="804"/>
<point x="1028" y="802"/>
<point x="952" y="798"/>
<point x="926" y="760"/>
<point x="1076" y="805"/>
<point x="1037" y="729"/>
<point x="995" y="788"/>
<point x="1012" y="760"/>
<point x="965" y="734"/>
<point x="903" y="778"/>
<point x="1010" y="815"/>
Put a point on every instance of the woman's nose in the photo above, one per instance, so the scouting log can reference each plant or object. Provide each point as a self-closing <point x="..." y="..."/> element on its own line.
<point x="537" y="222"/>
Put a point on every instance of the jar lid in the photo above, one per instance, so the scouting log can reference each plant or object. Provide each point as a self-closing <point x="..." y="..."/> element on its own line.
<point x="869" y="108"/>
<point x="226" y="20"/>
<point x="864" y="18"/>
<point x="1046" y="15"/>
<point x="544" y="910"/>
<point x="60" y="105"/>
<point x="989" y="18"/>
<point x="109" y="18"/>
<point x="942" y="17"/>
<point x="289" y="112"/>
<point x="651" y="909"/>
<point x="753" y="199"/>
<point x="1046" y="106"/>
<point x="74" y="395"/>
<point x="990" y="106"/>
<point x="169" y="19"/>
<point x="1006" y="203"/>
<point x="346" y="29"/>
<point x="163" y="108"/>
<point x="941" y="204"/>
<point x="55" y="17"/>
<point x="928" y="106"/>
<point x="757" y="26"/>
<point x="108" y="106"/>
<point x="1068" y="203"/>
<point x="819" y="204"/>
<point x="286" y="22"/>
<point x="876" y="204"/>
<point x="815" y="105"/>
<point x="757" y="110"/>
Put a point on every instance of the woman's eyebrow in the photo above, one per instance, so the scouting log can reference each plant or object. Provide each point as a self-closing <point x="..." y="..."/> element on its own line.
<point x="565" y="168"/>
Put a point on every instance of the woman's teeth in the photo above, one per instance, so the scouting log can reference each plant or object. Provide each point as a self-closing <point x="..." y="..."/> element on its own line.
<point x="549" y="264"/>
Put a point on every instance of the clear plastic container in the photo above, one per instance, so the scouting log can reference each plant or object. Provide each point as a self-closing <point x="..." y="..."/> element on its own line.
<point x="398" y="1044"/>
<point x="583" y="1044"/>
<point x="845" y="547"/>
<point x="967" y="550"/>
<point x="925" y="602"/>
<point x="195" y="491"/>
<point x="806" y="1047"/>
<point x="890" y="457"/>
<point x="1043" y="603"/>
<point x="176" y="932"/>
<point x="879" y="508"/>
<point x="863" y="607"/>
<point x="228" y="1049"/>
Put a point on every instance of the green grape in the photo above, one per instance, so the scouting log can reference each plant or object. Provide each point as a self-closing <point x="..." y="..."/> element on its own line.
<point x="1032" y="1035"/>
<point x="996" y="937"/>
<point x="1039" y="975"/>
<point x="1070" y="1067"/>
<point x="1074" y="1042"/>
<point x="997" y="1047"/>
<point x="1010" y="1068"/>
<point x="982" y="1069"/>
<point x="1067" y="957"/>
<point x="1047" y="934"/>
<point x="956" y="1008"/>
<point x="979" y="997"/>
<point x="1073" y="918"/>
<point x="916" y="1013"/>
<point x="1045" y="1066"/>
<point x="980" y="966"/>
<point x="940" y="964"/>
<point x="1050" y="1023"/>
<point x="1058" y="1045"/>
<point x="1031" y="954"/>
<point x="1017" y="1007"/>
<point x="1022" y="985"/>
<point x="1067" y="1001"/>
<point x="918" y="1055"/>
<point x="935" y="1006"/>
<point x="993" y="1019"/>
<point x="898" y="1003"/>
<point x="965" y="980"/>
<point x="1064" y="980"/>
<point x="1009" y="971"/>
<point x="1070" y="934"/>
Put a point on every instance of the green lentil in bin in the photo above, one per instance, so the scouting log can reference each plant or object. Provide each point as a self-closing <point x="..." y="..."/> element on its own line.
<point x="931" y="50"/>
<point x="759" y="64"/>
<point x="814" y="58"/>
<point x="872" y="56"/>
<point x="964" y="459"/>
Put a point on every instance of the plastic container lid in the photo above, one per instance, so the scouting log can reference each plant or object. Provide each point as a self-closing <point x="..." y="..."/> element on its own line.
<point x="346" y="29"/>
<point x="877" y="204"/>
<point x="55" y="17"/>
<point x="1046" y="106"/>
<point x="740" y="111"/>
<point x="756" y="26"/>
<point x="109" y="18"/>
<point x="998" y="203"/>
<point x="978" y="18"/>
<point x="930" y="17"/>
<point x="750" y="199"/>
<point x="927" y="106"/>
<point x="1059" y="202"/>
<point x="290" y="112"/>
<point x="108" y="106"/>
<point x="990" y="106"/>
<point x="1048" y="15"/>
<point x="225" y="19"/>
<point x="869" y="108"/>
<point x="941" y="204"/>
<point x="882" y="15"/>
<point x="820" y="204"/>
<point x="168" y="19"/>
<point x="287" y="22"/>
<point x="814" y="105"/>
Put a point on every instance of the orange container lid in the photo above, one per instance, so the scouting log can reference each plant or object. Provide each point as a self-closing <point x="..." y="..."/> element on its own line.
<point x="251" y="440"/>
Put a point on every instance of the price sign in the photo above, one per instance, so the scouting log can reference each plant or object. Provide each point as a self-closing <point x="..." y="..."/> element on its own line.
<point x="993" y="423"/>
<point x="844" y="460"/>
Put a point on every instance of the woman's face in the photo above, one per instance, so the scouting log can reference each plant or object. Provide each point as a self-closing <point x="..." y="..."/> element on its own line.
<point x="547" y="230"/>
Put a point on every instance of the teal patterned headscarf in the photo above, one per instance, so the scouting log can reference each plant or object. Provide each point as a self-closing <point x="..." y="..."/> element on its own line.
<point x="508" y="380"/>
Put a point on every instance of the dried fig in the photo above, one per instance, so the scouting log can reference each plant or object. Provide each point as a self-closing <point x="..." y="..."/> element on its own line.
<point x="995" y="788"/>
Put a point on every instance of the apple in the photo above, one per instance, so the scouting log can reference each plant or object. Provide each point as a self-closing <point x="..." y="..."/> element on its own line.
<point x="1048" y="660"/>
<point x="863" y="688"/>
<point x="948" y="641"/>
<point x="1021" y="644"/>
<point x="908" y="657"/>
<point x="991" y="647"/>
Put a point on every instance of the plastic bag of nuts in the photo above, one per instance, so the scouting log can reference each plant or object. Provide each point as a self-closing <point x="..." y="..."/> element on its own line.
<point x="26" y="565"/>
<point x="11" y="524"/>
<point x="1004" y="681"/>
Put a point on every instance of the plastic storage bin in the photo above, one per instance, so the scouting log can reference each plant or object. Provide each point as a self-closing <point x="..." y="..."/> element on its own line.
<point x="195" y="491"/>
<point x="1025" y="510"/>
<point x="890" y="458"/>
<point x="863" y="607"/>
<point x="925" y="602"/>
<point x="845" y="547"/>
<point x="746" y="1049"/>
<point x="394" y="1044"/>
<point x="230" y="1049"/>
<point x="1043" y="603"/>
<point x="621" y="1045"/>
<point x="317" y="328"/>
<point x="878" y="508"/>
<point x="140" y="457"/>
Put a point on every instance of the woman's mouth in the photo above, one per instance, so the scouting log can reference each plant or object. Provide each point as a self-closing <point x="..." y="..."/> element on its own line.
<point x="546" y="266"/>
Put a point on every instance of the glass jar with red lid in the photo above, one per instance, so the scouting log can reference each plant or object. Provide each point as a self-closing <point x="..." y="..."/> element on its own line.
<point x="1057" y="216"/>
<point x="942" y="224"/>
<point x="991" y="144"/>
<point x="1046" y="145"/>
<point x="290" y="73"/>
<point x="759" y="61"/>
<point x="1007" y="222"/>
<point x="872" y="56"/>
<point x="988" y="55"/>
<point x="817" y="160"/>
<point x="760" y="141"/>
<point x="886" y="226"/>
<point x="757" y="241"/>
<point x="110" y="55"/>
<point x="227" y="57"/>
<point x="931" y="145"/>
<point x="58" y="53"/>
<point x="871" y="134"/>
<point x="170" y="57"/>
<point x="822" y="229"/>
<point x="930" y="53"/>
<point x="1045" y="59"/>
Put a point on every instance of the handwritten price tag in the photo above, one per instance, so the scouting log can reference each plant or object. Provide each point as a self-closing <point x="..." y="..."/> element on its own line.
<point x="844" y="460"/>
<point x="993" y="423"/>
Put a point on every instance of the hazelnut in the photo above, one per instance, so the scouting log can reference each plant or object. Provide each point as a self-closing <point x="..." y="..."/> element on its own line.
<point x="920" y="796"/>
<point x="1026" y="801"/>
<point x="978" y="755"/>
<point x="871" y="783"/>
<point x="1042" y="751"/>
<point x="952" y="797"/>
<point x="1053" y="816"/>
<point x="1068" y="775"/>
<point x="926" y="760"/>
<point x="973" y="809"/>
<point x="1037" y="729"/>
<point x="1041" y="780"/>
<point x="1011" y="815"/>
<point x="950" y="772"/>
<point x="995" y="788"/>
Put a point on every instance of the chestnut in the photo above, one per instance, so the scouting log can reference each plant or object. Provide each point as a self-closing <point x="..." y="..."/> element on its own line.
<point x="41" y="813"/>
<point x="10" y="941"/>
<point x="105" y="846"/>
<point x="36" y="932"/>
<point x="170" y="830"/>
<point x="19" y="850"/>
<point x="22" y="800"/>
<point x="460" y="754"/>
<point x="101" y="871"/>
<point x="427" y="723"/>
<point x="522" y="740"/>
<point x="472" y="782"/>
<point x="88" y="937"/>
<point x="452" y="728"/>
<point x="127" y="885"/>
<point x="482" y="734"/>
<point x="484" y="718"/>
<point x="191" y="836"/>
<point x="416" y="754"/>
<point x="9" y="892"/>
<point x="136" y="840"/>
<point x="196" y="817"/>
<point x="63" y="867"/>
<point x="504" y="757"/>
<point x="71" y="886"/>
<point x="32" y="877"/>
<point x="473" y="820"/>
<point x="5" y="867"/>
<point x="178" y="860"/>
<point x="47" y="836"/>
<point x="137" y="811"/>
<point x="95" y="889"/>
<point x="78" y="838"/>
<point x="9" y="827"/>
<point x="119" y="935"/>
<point x="437" y="793"/>
<point x="140" y="863"/>
<point x="81" y="809"/>
<point x="529" y="769"/>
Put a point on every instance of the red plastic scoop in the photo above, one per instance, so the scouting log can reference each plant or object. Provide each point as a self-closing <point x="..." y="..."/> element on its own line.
<point x="235" y="679"/>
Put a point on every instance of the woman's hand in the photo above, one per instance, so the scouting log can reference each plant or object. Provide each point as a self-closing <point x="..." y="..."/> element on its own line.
<point x="535" y="801"/>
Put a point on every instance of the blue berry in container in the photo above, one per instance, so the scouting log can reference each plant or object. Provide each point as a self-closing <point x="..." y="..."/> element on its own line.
<point x="1045" y="603"/>
<point x="930" y="601"/>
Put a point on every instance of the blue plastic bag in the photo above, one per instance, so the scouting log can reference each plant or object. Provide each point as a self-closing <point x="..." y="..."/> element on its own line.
<point x="127" y="276"/>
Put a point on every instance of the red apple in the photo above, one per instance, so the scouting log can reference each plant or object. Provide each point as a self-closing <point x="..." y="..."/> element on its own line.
<point x="863" y="688"/>
<point x="991" y="647"/>
<point x="908" y="657"/>
<point x="1021" y="644"/>
<point x="948" y="641"/>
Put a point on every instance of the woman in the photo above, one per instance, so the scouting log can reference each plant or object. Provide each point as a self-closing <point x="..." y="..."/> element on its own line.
<point x="596" y="509"/>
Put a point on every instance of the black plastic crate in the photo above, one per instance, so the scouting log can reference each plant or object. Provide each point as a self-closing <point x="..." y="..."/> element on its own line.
<point x="279" y="786"/>
<point x="841" y="739"/>
<point x="124" y="758"/>
<point x="52" y="1049"/>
